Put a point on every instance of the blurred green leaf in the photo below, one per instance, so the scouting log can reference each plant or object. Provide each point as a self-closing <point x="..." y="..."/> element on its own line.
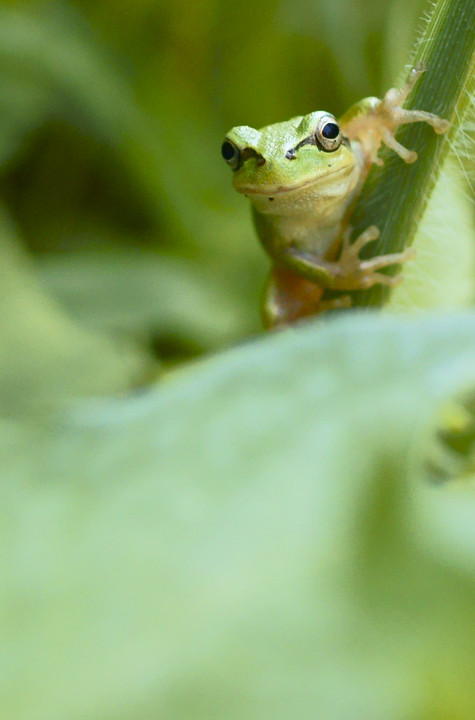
<point x="249" y="539"/>
<point x="44" y="356"/>
<point x="146" y="293"/>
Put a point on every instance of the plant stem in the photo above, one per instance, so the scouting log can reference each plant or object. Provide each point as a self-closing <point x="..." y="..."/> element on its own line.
<point x="395" y="195"/>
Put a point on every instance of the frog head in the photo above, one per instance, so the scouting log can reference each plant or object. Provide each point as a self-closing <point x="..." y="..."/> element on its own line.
<point x="288" y="158"/>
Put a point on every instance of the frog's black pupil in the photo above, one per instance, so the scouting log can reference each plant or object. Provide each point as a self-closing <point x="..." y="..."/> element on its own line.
<point x="330" y="131"/>
<point x="227" y="151"/>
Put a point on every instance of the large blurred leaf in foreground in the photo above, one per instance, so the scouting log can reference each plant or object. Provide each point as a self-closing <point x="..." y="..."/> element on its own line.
<point x="251" y="539"/>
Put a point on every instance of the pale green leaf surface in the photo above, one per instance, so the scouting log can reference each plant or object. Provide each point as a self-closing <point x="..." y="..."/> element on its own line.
<point x="250" y="539"/>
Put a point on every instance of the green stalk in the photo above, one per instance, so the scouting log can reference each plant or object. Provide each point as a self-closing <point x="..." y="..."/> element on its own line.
<point x="395" y="195"/>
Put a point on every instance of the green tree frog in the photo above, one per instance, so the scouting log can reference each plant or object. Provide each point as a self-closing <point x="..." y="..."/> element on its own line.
<point x="302" y="177"/>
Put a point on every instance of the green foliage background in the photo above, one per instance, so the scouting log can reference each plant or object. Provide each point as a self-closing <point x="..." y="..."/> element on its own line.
<point x="113" y="116"/>
<point x="247" y="535"/>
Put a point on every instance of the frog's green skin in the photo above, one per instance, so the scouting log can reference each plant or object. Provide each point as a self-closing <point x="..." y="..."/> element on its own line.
<point x="302" y="184"/>
<point x="299" y="202"/>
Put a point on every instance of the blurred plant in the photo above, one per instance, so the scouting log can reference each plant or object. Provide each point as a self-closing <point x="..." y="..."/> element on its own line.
<point x="249" y="539"/>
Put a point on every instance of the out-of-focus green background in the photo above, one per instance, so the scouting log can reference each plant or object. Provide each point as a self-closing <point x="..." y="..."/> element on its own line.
<point x="112" y="118"/>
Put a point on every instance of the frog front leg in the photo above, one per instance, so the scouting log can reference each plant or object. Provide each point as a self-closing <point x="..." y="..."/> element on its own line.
<point x="349" y="272"/>
<point x="296" y="284"/>
<point x="373" y="121"/>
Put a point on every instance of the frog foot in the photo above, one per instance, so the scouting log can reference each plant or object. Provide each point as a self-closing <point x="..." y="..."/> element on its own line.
<point x="392" y="115"/>
<point x="381" y="119"/>
<point x="359" y="274"/>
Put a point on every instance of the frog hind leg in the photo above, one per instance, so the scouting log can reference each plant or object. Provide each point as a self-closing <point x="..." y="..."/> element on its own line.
<point x="289" y="297"/>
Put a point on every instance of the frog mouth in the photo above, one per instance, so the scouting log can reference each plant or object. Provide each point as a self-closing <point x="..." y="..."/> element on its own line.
<point x="324" y="179"/>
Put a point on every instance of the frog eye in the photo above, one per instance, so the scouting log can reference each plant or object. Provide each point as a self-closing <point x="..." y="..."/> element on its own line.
<point x="231" y="154"/>
<point x="328" y="134"/>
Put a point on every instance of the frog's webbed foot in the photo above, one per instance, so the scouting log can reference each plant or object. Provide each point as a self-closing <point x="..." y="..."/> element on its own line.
<point x="374" y="121"/>
<point x="356" y="274"/>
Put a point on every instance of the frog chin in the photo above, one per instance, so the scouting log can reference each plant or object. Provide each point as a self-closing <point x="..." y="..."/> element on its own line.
<point x="274" y="190"/>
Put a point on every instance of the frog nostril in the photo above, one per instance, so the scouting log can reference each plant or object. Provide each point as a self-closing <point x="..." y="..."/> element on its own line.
<point x="290" y="154"/>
